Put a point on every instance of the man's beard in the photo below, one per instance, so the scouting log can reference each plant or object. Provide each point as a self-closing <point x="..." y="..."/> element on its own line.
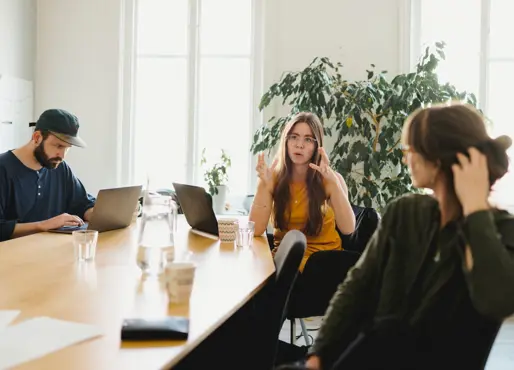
<point x="43" y="159"/>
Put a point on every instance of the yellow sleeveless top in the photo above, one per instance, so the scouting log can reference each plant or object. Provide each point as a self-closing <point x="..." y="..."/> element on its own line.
<point x="327" y="239"/>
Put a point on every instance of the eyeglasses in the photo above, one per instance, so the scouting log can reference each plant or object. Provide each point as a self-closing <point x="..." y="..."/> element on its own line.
<point x="298" y="139"/>
<point x="405" y="148"/>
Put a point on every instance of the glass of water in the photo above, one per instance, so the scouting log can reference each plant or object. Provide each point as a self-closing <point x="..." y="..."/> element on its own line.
<point x="84" y="242"/>
<point x="244" y="233"/>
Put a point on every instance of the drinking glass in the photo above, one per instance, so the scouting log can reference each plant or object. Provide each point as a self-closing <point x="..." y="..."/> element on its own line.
<point x="84" y="242"/>
<point x="245" y="233"/>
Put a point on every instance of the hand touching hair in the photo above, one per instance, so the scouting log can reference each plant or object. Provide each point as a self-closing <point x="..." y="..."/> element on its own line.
<point x="476" y="171"/>
<point x="440" y="132"/>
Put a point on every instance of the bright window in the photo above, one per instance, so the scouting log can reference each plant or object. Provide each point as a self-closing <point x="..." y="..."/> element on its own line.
<point x="440" y="22"/>
<point x="193" y="89"/>
<point x="480" y="59"/>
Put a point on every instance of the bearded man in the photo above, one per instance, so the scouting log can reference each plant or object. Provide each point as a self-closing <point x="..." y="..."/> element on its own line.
<point x="38" y="190"/>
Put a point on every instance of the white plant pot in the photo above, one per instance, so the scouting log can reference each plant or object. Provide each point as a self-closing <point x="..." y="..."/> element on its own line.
<point x="219" y="200"/>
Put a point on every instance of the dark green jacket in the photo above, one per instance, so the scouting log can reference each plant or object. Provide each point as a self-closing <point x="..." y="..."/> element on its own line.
<point x="378" y="284"/>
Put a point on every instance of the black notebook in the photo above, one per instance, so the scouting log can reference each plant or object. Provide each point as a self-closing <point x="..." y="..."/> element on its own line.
<point x="166" y="328"/>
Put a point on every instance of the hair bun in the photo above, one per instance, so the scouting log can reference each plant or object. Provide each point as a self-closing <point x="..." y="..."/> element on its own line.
<point x="503" y="141"/>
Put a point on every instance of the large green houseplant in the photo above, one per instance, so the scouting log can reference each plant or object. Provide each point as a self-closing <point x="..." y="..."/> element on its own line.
<point x="364" y="117"/>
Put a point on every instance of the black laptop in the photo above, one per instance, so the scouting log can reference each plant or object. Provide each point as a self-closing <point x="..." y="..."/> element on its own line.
<point x="196" y="204"/>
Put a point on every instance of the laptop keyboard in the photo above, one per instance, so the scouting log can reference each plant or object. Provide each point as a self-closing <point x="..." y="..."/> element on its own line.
<point x="74" y="228"/>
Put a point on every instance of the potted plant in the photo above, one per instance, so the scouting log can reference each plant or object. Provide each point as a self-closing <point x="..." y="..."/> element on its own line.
<point x="365" y="118"/>
<point x="216" y="178"/>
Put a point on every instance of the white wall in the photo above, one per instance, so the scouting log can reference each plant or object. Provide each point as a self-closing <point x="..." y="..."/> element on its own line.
<point x="78" y="47"/>
<point x="78" y="59"/>
<point x="18" y="38"/>
<point x="355" y="33"/>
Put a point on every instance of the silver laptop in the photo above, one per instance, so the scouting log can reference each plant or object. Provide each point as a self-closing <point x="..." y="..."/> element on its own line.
<point x="114" y="209"/>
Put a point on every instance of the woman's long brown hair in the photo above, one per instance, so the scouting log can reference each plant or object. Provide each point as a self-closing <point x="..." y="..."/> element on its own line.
<point x="315" y="188"/>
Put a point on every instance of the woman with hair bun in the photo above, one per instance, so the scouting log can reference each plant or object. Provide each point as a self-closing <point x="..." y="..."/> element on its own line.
<point x="437" y="277"/>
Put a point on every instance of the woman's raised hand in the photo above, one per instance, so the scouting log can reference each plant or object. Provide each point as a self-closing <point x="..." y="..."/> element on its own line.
<point x="265" y="173"/>
<point x="324" y="167"/>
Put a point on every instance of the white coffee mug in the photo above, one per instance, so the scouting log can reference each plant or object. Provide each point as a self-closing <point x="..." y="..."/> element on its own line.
<point x="179" y="281"/>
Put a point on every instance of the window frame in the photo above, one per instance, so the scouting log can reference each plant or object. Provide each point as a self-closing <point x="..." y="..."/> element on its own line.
<point x="414" y="49"/>
<point x="415" y="46"/>
<point x="126" y="144"/>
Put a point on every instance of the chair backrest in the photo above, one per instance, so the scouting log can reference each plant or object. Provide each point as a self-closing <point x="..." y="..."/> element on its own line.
<point x="271" y="308"/>
<point x="366" y="222"/>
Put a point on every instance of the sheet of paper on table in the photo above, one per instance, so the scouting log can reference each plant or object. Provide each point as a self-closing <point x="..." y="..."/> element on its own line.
<point x="35" y="338"/>
<point x="7" y="316"/>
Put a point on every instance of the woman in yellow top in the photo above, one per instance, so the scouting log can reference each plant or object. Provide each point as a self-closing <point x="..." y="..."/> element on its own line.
<point x="300" y="191"/>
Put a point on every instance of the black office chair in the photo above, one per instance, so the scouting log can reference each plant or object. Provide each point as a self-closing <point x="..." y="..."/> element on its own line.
<point x="259" y="349"/>
<point x="249" y="339"/>
<point x="366" y="222"/>
<point x="270" y="308"/>
<point x="325" y="270"/>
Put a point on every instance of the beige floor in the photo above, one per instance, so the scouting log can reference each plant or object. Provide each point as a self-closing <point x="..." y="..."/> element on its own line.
<point x="502" y="354"/>
<point x="501" y="357"/>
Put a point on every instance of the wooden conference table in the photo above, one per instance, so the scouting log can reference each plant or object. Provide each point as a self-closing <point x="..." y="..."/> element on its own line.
<point x="39" y="276"/>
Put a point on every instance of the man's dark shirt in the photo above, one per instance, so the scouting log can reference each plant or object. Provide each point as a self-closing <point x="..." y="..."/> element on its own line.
<point x="27" y="195"/>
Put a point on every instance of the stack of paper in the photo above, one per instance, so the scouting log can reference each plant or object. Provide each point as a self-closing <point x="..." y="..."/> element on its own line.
<point x="7" y="316"/>
<point x="37" y="337"/>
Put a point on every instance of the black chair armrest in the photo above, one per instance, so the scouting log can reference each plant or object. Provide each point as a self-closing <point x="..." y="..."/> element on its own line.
<point x="271" y="240"/>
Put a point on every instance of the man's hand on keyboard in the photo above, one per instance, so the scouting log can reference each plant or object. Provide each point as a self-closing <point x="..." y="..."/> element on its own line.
<point x="60" y="221"/>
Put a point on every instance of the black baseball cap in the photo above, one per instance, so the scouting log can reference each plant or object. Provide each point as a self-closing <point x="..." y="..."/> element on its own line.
<point x="62" y="124"/>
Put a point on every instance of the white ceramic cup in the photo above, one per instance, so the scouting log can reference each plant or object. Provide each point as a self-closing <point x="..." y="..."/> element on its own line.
<point x="179" y="281"/>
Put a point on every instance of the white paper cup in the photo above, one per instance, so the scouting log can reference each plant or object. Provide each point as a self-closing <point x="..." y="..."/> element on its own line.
<point x="179" y="281"/>
<point x="227" y="229"/>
